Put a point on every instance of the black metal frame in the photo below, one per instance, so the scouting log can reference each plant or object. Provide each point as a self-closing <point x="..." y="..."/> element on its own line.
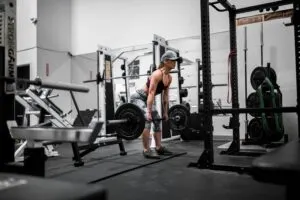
<point x="200" y="83"/>
<point x="206" y="159"/>
<point x="126" y="82"/>
<point x="246" y="82"/>
<point x="296" y="22"/>
<point x="81" y="151"/>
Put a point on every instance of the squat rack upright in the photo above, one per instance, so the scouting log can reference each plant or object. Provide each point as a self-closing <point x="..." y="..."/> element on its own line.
<point x="206" y="159"/>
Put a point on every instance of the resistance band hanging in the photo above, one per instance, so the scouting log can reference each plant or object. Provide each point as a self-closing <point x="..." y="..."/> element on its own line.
<point x="232" y="53"/>
<point x="272" y="135"/>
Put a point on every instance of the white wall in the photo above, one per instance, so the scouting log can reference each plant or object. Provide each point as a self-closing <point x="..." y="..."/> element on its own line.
<point x="119" y="23"/>
<point x="26" y="34"/>
<point x="83" y="67"/>
<point x="29" y="57"/>
<point x="59" y="71"/>
<point x="53" y="41"/>
<point x="26" y="30"/>
<point x="54" y="24"/>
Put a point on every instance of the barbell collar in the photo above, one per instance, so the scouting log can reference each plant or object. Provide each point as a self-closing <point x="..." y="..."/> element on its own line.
<point x="176" y="118"/>
<point x="116" y="121"/>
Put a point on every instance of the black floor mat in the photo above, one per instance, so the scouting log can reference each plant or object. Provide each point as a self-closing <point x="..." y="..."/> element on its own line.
<point x="173" y="180"/>
<point x="170" y="179"/>
<point x="96" y="169"/>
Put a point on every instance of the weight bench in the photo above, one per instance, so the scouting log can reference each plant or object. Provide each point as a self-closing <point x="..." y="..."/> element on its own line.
<point x="78" y="134"/>
<point x="34" y="157"/>
<point x="281" y="166"/>
<point x="13" y="186"/>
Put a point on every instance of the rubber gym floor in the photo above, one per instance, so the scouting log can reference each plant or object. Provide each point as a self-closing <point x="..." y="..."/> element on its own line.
<point x="134" y="177"/>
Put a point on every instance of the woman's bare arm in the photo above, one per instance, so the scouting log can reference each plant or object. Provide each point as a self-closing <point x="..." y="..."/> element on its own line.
<point x="155" y="79"/>
<point x="166" y="97"/>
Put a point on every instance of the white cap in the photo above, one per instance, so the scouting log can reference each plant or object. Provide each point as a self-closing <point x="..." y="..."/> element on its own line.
<point x="169" y="55"/>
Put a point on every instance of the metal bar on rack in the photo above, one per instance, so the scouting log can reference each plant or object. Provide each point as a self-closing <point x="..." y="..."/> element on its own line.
<point x="252" y="110"/>
<point x="47" y="84"/>
<point x="263" y="6"/>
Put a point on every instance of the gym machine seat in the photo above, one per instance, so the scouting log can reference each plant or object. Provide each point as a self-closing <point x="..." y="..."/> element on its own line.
<point x="281" y="166"/>
<point x="14" y="186"/>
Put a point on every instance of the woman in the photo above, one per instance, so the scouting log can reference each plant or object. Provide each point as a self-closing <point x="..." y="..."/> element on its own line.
<point x="157" y="83"/>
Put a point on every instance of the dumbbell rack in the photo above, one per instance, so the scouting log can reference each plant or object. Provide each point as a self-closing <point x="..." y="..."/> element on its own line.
<point x="260" y="130"/>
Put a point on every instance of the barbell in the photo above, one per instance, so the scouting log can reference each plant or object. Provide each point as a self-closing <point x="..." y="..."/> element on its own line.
<point x="47" y="84"/>
<point x="130" y="120"/>
<point x="100" y="79"/>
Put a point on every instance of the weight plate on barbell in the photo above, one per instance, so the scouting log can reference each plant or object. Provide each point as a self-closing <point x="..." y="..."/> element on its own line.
<point x="136" y="121"/>
<point x="178" y="117"/>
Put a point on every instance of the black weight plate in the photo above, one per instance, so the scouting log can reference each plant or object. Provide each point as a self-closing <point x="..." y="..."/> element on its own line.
<point x="181" y="80"/>
<point x="183" y="92"/>
<point x="187" y="105"/>
<point x="253" y="102"/>
<point x="256" y="131"/>
<point x="259" y="74"/>
<point x="178" y="117"/>
<point x="136" y="121"/>
<point x="272" y="134"/>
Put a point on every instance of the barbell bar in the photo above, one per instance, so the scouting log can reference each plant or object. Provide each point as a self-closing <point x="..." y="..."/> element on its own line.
<point x="47" y="84"/>
<point x="119" y="77"/>
<point x="120" y="121"/>
<point x="251" y="110"/>
<point x="130" y="120"/>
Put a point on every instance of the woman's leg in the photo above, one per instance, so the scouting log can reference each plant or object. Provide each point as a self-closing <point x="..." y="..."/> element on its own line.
<point x="146" y="142"/>
<point x="157" y="129"/>
<point x="140" y="101"/>
<point x="157" y="139"/>
<point x="146" y="139"/>
<point x="161" y="150"/>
